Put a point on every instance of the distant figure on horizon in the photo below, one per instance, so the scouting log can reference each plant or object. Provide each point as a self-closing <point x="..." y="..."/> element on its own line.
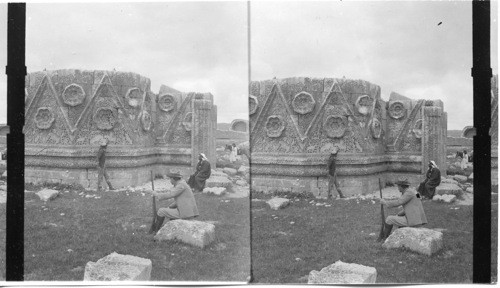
<point x="432" y="179"/>
<point x="203" y="172"/>
<point x="465" y="160"/>
<point x="101" y="168"/>
<point x="234" y="152"/>
<point x="332" y="174"/>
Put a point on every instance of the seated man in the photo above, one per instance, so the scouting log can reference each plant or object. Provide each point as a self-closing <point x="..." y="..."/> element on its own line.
<point x="184" y="205"/>
<point x="432" y="179"/>
<point x="413" y="212"/>
<point x="203" y="171"/>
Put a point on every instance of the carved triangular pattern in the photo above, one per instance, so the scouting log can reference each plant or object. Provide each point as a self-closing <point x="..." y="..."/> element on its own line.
<point x="172" y="126"/>
<point x="416" y="109"/>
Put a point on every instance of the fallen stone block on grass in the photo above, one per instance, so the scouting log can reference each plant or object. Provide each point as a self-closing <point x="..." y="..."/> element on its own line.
<point x="343" y="273"/>
<point x="47" y="194"/>
<point x="243" y="169"/>
<point x="217" y="181"/>
<point x="421" y="240"/>
<point x="218" y="174"/>
<point x="460" y="178"/>
<point x="447" y="198"/>
<point x="230" y="171"/>
<point x="117" y="267"/>
<point x="449" y="181"/>
<point x="447" y="188"/>
<point x="278" y="203"/>
<point x="218" y="191"/>
<point x="196" y="233"/>
<point x="471" y="176"/>
<point x="470" y="190"/>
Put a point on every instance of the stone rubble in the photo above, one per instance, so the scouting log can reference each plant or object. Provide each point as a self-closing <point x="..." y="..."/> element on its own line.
<point x="460" y="178"/>
<point x="218" y="191"/>
<point x="343" y="273"/>
<point x="117" y="267"/>
<point x="196" y="233"/>
<point x="447" y="188"/>
<point x="421" y="240"/>
<point x="447" y="198"/>
<point x="278" y="203"/>
<point x="230" y="171"/>
<point x="47" y="194"/>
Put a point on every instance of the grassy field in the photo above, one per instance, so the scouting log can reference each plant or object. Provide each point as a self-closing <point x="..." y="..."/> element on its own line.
<point x="287" y="244"/>
<point x="62" y="235"/>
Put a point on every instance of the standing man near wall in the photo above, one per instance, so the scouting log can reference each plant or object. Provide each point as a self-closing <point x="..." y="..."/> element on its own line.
<point x="101" y="158"/>
<point x="332" y="174"/>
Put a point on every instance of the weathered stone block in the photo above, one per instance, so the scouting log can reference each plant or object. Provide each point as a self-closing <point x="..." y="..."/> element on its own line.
<point x="278" y="203"/>
<point x="117" y="267"/>
<point x="343" y="273"/>
<point x="460" y="178"/>
<point x="47" y="194"/>
<point x="230" y="171"/>
<point x="471" y="176"/>
<point x="241" y="183"/>
<point x="421" y="240"/>
<point x="218" y="191"/>
<point x="449" y="181"/>
<point x="447" y="198"/>
<point x="448" y="188"/>
<point x="196" y="233"/>
<point x="470" y="190"/>
<point x="218" y="182"/>
<point x="244" y="169"/>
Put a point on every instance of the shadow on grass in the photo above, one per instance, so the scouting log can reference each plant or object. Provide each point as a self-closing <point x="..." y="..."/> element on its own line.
<point x="287" y="244"/>
<point x="62" y="235"/>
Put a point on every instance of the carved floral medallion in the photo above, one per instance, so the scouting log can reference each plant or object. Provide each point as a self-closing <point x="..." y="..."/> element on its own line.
<point x="253" y="104"/>
<point x="274" y="126"/>
<point x="397" y="110"/>
<point x="188" y="121"/>
<point x="73" y="95"/>
<point x="44" y="118"/>
<point x="303" y="103"/>
<point x="146" y="120"/>
<point x="417" y="129"/>
<point x="376" y="128"/>
<point x="335" y="126"/>
<point x="363" y="104"/>
<point x="133" y="97"/>
<point x="105" y="118"/>
<point x="167" y="102"/>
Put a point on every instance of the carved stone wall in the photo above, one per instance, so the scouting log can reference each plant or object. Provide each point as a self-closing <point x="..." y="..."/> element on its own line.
<point x="296" y="122"/>
<point x="68" y="112"/>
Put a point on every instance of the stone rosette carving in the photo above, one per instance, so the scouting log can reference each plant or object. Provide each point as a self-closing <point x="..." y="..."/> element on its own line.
<point x="335" y="126"/>
<point x="73" y="95"/>
<point x="253" y="104"/>
<point x="376" y="128"/>
<point x="133" y="97"/>
<point x="303" y="103"/>
<point x="397" y="110"/>
<point x="188" y="121"/>
<point x="363" y="104"/>
<point x="417" y="129"/>
<point x="44" y="118"/>
<point x="105" y="118"/>
<point x="167" y="102"/>
<point x="274" y="126"/>
<point x="146" y="120"/>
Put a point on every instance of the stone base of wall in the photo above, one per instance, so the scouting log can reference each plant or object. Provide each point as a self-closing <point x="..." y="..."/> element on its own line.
<point x="120" y="177"/>
<point x="318" y="186"/>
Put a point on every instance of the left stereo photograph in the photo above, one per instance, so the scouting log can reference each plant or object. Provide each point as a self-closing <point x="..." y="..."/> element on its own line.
<point x="136" y="142"/>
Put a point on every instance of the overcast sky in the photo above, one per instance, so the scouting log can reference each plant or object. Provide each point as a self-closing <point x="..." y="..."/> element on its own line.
<point x="202" y="47"/>
<point x="396" y="45"/>
<point x="190" y="46"/>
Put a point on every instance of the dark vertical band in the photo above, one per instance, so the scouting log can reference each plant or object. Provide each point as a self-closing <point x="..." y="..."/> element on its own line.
<point x="481" y="73"/>
<point x="16" y="72"/>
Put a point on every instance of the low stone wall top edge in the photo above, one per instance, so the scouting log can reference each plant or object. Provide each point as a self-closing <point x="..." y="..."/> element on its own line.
<point x="85" y="151"/>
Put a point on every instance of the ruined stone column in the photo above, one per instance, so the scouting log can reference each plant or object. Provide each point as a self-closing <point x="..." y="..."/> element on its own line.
<point x="433" y="138"/>
<point x="202" y="132"/>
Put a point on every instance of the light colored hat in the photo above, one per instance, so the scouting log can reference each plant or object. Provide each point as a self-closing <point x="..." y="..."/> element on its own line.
<point x="403" y="182"/>
<point x="203" y="156"/>
<point x="174" y="174"/>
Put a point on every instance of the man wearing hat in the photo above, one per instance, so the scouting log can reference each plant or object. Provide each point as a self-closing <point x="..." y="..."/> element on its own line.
<point x="432" y="179"/>
<point x="413" y="212"/>
<point x="332" y="174"/>
<point x="203" y="172"/>
<point x="184" y="205"/>
<point x="101" y="158"/>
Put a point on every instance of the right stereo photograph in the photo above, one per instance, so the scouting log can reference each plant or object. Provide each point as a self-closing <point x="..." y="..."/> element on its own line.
<point x="361" y="139"/>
